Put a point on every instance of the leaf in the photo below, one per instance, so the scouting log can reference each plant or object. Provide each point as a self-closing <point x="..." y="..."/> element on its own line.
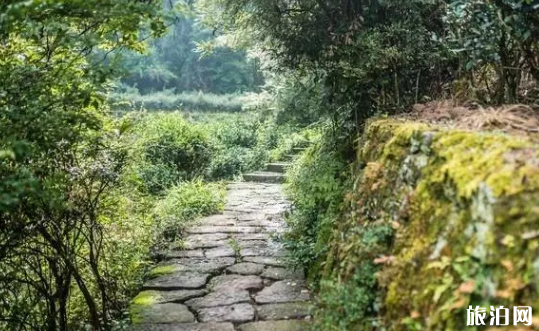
<point x="438" y="291"/>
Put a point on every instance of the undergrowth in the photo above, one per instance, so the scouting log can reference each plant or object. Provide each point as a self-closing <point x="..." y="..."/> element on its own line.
<point x="316" y="184"/>
<point x="168" y="100"/>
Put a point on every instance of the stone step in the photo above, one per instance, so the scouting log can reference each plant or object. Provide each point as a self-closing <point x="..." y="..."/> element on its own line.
<point x="264" y="177"/>
<point x="277" y="167"/>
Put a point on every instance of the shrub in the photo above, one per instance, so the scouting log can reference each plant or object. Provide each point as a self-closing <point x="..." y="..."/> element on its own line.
<point x="239" y="144"/>
<point x="185" y="202"/>
<point x="284" y="144"/>
<point x="227" y="163"/>
<point x="173" y="150"/>
<point x="316" y="184"/>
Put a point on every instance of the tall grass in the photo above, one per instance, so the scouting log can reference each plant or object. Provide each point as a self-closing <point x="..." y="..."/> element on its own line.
<point x="186" y="101"/>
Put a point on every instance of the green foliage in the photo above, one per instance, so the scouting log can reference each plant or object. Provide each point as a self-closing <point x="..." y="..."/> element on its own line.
<point x="316" y="184"/>
<point x="174" y="147"/>
<point x="349" y="57"/>
<point x="298" y="97"/>
<point x="61" y="159"/>
<point x="348" y="305"/>
<point x="291" y="140"/>
<point x="184" y="203"/>
<point x="497" y="40"/>
<point x="167" y="100"/>
<point x="172" y="63"/>
<point x="242" y="143"/>
<point x="173" y="150"/>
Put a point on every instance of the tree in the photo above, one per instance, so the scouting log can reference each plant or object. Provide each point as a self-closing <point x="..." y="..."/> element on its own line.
<point x="498" y="36"/>
<point x="172" y="63"/>
<point x="369" y="55"/>
<point x="56" y="161"/>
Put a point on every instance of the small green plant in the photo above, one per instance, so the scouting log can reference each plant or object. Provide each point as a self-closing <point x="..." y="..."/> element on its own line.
<point x="185" y="202"/>
<point x="348" y="305"/>
<point x="235" y="245"/>
<point x="172" y="149"/>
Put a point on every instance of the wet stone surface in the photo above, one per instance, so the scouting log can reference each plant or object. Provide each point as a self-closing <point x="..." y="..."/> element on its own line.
<point x="236" y="283"/>
<point x="177" y="281"/>
<point x="239" y="313"/>
<point x="283" y="291"/>
<point x="228" y="273"/>
<point x="284" y="311"/>
<point x="246" y="268"/>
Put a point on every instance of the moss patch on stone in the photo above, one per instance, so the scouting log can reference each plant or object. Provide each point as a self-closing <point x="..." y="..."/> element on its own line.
<point x="142" y="300"/>
<point x="162" y="271"/>
<point x="439" y="219"/>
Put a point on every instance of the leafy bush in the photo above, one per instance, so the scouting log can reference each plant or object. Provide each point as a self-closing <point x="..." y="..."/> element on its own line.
<point x="173" y="150"/>
<point x="316" y="184"/>
<point x="240" y="144"/>
<point x="59" y="160"/>
<point x="285" y="144"/>
<point x="185" y="202"/>
<point x="347" y="305"/>
<point x="229" y="162"/>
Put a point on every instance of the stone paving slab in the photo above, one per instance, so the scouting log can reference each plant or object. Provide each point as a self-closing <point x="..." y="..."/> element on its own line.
<point x="223" y="251"/>
<point x="239" y="313"/>
<point x="177" y="296"/>
<point x="271" y="261"/>
<point x="283" y="291"/>
<point x="282" y="274"/>
<point x="220" y="298"/>
<point x="184" y="254"/>
<point x="177" y="281"/>
<point x="229" y="274"/>
<point x="251" y="236"/>
<point x="284" y="311"/>
<point x="209" y="266"/>
<point x="184" y="327"/>
<point x="236" y="283"/>
<point x="276" y="326"/>
<point x="223" y="229"/>
<point x="246" y="268"/>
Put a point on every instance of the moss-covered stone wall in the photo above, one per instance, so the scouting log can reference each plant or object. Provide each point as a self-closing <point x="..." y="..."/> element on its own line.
<point x="439" y="219"/>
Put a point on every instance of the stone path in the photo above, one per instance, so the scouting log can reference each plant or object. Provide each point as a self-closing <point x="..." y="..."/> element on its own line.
<point x="229" y="274"/>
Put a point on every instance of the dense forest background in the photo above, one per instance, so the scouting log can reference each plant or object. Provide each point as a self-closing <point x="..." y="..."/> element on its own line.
<point x="108" y="148"/>
<point x="172" y="62"/>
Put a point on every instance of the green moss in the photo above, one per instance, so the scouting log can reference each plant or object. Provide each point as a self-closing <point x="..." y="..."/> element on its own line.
<point x="162" y="271"/>
<point x="142" y="300"/>
<point x="146" y="298"/>
<point x="457" y="205"/>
